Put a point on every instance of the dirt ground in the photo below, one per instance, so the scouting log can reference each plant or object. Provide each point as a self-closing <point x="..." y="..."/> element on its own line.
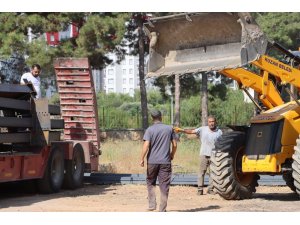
<point x="133" y="198"/>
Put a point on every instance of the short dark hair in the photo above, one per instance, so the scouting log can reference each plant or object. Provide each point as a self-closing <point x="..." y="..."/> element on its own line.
<point x="155" y="114"/>
<point x="212" y="117"/>
<point x="36" y="66"/>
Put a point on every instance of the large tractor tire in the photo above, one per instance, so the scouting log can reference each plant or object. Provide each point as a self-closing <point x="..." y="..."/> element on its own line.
<point x="226" y="168"/>
<point x="289" y="180"/>
<point x="74" y="169"/>
<point x="296" y="167"/>
<point x="54" y="173"/>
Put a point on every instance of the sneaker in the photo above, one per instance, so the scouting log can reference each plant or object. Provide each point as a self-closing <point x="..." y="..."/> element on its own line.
<point x="200" y="192"/>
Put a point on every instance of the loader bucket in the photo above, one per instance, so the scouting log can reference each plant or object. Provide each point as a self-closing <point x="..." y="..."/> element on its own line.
<point x="195" y="42"/>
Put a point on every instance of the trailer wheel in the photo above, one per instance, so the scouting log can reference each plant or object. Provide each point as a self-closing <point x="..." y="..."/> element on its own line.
<point x="226" y="168"/>
<point x="74" y="169"/>
<point x="54" y="173"/>
<point x="296" y="167"/>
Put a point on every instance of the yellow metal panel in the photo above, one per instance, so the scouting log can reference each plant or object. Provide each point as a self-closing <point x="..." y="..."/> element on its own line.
<point x="270" y="164"/>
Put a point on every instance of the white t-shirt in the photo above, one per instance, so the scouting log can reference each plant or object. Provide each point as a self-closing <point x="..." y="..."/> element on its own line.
<point x="208" y="139"/>
<point x="35" y="81"/>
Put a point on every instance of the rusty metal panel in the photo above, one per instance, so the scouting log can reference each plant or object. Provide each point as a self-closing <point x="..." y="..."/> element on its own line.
<point x="77" y="99"/>
<point x="75" y="96"/>
<point x="66" y="146"/>
<point x="32" y="165"/>
<point x="75" y="83"/>
<point x="71" y="119"/>
<point x="10" y="167"/>
<point x="91" y="155"/>
<point x="74" y="63"/>
<point x="76" y="107"/>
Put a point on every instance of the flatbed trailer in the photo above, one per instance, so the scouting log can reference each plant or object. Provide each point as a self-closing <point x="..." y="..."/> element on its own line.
<point x="51" y="145"/>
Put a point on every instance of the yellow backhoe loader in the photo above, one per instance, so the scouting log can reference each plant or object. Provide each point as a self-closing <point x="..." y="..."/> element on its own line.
<point x="233" y="44"/>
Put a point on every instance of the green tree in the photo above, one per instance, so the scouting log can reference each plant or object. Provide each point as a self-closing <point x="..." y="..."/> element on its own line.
<point x="282" y="27"/>
<point x="99" y="33"/>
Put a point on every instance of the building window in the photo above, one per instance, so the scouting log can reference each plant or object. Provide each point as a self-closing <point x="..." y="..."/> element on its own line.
<point x="124" y="71"/>
<point x="110" y="72"/>
<point x="131" y="91"/>
<point x="130" y="71"/>
<point x="52" y="38"/>
<point x="110" y="81"/>
<point x="130" y="61"/>
<point x="124" y="90"/>
<point x="130" y="80"/>
<point x="124" y="80"/>
<point x="123" y="62"/>
<point x="137" y="81"/>
<point x="110" y="90"/>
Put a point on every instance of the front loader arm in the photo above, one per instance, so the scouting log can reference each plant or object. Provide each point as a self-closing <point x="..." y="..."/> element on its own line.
<point x="286" y="73"/>
<point x="265" y="88"/>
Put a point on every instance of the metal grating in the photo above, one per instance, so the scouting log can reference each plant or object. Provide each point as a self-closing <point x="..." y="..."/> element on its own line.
<point x="177" y="179"/>
<point x="78" y="101"/>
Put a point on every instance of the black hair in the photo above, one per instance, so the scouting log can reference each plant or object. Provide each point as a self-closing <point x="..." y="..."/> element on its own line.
<point x="36" y="66"/>
<point x="212" y="117"/>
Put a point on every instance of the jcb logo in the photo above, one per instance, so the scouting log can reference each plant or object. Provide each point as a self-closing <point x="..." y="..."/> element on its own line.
<point x="259" y="134"/>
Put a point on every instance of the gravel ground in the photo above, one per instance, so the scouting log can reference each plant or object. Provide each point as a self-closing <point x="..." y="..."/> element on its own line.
<point x="133" y="198"/>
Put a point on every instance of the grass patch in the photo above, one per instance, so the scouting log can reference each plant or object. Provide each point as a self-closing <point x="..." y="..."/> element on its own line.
<point x="123" y="156"/>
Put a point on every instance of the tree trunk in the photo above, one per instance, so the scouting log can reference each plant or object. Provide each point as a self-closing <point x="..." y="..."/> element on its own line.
<point x="204" y="105"/>
<point x="143" y="91"/>
<point x="177" y="100"/>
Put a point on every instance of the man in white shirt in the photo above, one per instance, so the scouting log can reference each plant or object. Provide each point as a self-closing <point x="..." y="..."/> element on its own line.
<point x="33" y="77"/>
<point x="208" y="136"/>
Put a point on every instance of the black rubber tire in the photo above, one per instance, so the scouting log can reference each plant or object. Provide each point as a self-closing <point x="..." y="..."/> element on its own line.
<point x="296" y="167"/>
<point x="226" y="172"/>
<point x="289" y="180"/>
<point x="54" y="173"/>
<point x="74" y="169"/>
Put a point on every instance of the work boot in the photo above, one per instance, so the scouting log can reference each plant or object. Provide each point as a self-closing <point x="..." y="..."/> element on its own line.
<point x="151" y="209"/>
<point x="200" y="192"/>
<point x="211" y="192"/>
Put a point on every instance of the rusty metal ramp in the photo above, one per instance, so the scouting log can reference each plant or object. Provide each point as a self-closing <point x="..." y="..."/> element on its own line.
<point x="77" y="100"/>
<point x="194" y="42"/>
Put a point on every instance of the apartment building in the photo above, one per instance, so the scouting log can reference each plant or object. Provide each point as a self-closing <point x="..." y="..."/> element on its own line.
<point x="123" y="77"/>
